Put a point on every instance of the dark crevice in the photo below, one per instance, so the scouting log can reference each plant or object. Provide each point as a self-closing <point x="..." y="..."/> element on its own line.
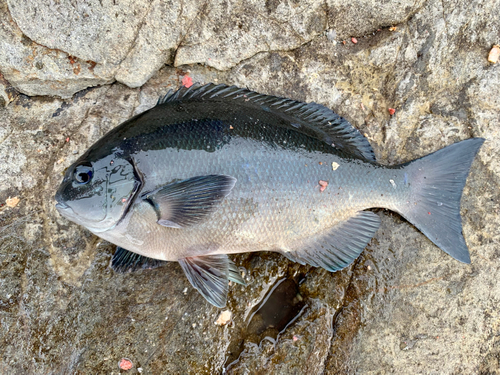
<point x="282" y="305"/>
<point x="200" y="14"/>
<point x="346" y="301"/>
<point x="139" y="28"/>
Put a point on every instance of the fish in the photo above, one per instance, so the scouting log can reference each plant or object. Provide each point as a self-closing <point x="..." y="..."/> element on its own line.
<point x="214" y="170"/>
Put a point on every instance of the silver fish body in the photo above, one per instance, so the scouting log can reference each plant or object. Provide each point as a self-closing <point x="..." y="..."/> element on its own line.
<point x="218" y="170"/>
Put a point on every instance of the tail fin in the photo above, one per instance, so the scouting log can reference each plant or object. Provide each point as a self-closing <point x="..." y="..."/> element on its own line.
<point x="434" y="208"/>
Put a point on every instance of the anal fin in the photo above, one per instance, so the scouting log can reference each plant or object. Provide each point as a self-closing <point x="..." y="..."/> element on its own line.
<point x="210" y="275"/>
<point x="125" y="261"/>
<point x="339" y="246"/>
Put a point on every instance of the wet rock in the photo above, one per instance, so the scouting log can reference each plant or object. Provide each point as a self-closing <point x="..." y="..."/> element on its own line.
<point x="403" y="307"/>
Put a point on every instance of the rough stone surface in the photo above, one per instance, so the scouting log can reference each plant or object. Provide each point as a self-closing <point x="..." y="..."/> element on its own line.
<point x="34" y="69"/>
<point x="403" y="307"/>
<point x="75" y="46"/>
<point x="250" y="27"/>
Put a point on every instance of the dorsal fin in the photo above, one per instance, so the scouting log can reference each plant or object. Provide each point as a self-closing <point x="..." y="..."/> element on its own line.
<point x="310" y="118"/>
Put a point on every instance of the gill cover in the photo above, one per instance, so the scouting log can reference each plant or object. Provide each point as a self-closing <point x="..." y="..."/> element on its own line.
<point x="98" y="194"/>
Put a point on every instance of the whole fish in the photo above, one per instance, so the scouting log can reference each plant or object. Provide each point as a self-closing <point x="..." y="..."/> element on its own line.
<point x="216" y="170"/>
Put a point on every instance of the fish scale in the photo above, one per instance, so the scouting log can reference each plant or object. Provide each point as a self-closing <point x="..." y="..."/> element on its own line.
<point x="217" y="170"/>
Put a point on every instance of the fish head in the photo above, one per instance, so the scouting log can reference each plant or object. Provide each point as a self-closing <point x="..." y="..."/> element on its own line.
<point x="98" y="193"/>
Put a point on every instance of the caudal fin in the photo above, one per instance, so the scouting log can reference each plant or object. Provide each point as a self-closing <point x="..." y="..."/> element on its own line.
<point x="437" y="182"/>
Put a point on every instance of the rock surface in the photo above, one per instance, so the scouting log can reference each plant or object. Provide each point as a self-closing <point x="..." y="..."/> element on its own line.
<point x="403" y="307"/>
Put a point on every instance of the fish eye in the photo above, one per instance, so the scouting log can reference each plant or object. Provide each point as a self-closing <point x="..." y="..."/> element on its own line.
<point x="83" y="174"/>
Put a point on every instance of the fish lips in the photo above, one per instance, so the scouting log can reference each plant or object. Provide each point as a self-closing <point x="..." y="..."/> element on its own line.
<point x="62" y="207"/>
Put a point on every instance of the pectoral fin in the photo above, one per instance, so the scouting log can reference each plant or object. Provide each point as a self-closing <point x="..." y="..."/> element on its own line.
<point x="337" y="247"/>
<point x="124" y="261"/>
<point x="187" y="202"/>
<point x="210" y="276"/>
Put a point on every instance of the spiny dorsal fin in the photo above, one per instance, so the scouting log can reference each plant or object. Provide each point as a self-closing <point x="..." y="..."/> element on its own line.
<point x="310" y="118"/>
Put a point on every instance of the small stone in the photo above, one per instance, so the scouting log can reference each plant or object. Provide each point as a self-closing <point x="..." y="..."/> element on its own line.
<point x="494" y="54"/>
<point x="12" y="202"/>
<point x="224" y="318"/>
<point x="187" y="81"/>
<point x="125" y="364"/>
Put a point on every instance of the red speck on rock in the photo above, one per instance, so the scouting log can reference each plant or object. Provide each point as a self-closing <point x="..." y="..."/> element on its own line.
<point x="187" y="81"/>
<point x="392" y="111"/>
<point x="322" y="185"/>
<point x="354" y="40"/>
<point x="125" y="364"/>
<point x="67" y="139"/>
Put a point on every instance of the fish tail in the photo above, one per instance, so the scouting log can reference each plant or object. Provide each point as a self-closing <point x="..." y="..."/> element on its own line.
<point x="437" y="181"/>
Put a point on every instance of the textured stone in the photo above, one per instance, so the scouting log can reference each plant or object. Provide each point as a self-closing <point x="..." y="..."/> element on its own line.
<point x="363" y="17"/>
<point x="34" y="69"/>
<point x="228" y="33"/>
<point x="71" y="47"/>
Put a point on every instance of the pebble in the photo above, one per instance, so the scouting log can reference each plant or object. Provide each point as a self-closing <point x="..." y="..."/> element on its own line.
<point x="224" y="318"/>
<point x="494" y="54"/>
<point x="125" y="364"/>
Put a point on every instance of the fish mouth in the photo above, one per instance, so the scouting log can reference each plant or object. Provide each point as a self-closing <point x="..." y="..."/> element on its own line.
<point x="61" y="206"/>
<point x="64" y="209"/>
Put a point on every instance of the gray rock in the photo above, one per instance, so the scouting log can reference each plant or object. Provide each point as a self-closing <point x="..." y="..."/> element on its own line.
<point x="364" y="17"/>
<point x="403" y="307"/>
<point x="228" y="33"/>
<point x="34" y="69"/>
<point x="68" y="48"/>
